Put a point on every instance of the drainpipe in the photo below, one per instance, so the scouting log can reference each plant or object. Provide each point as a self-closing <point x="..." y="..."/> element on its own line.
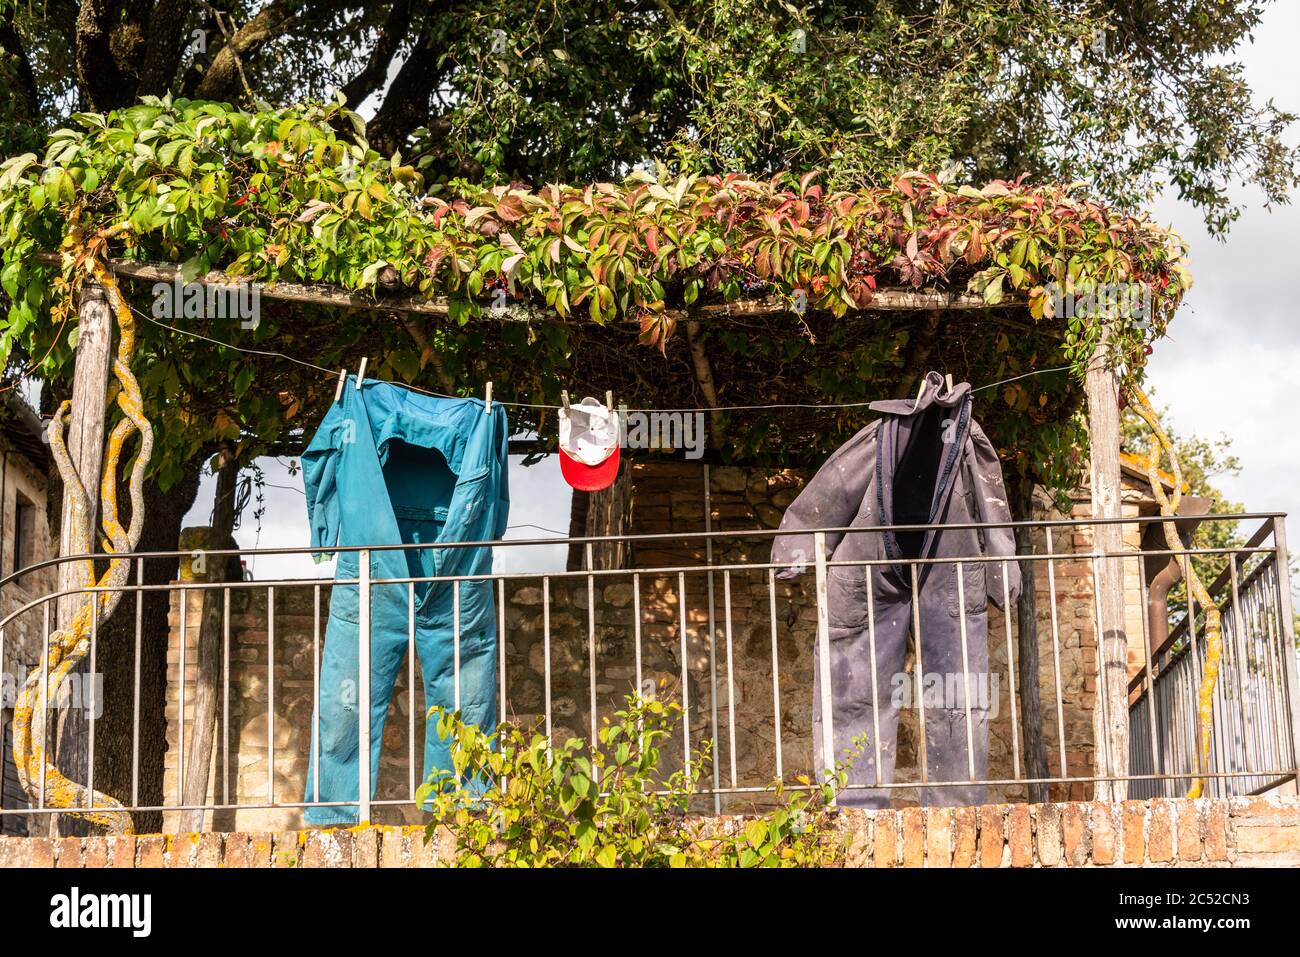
<point x="1162" y="578"/>
<point x="1158" y="604"/>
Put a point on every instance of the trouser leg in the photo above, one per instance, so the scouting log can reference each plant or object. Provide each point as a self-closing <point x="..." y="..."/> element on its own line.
<point x="858" y="705"/>
<point x="957" y="699"/>
<point x="337" y="749"/>
<point x="469" y="678"/>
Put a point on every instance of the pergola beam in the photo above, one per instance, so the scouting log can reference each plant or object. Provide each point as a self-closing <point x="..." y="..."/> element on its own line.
<point x="889" y="299"/>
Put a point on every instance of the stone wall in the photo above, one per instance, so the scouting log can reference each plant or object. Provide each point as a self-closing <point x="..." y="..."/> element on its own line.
<point x="21" y="642"/>
<point x="1240" y="832"/>
<point x="668" y="498"/>
<point x="22" y="637"/>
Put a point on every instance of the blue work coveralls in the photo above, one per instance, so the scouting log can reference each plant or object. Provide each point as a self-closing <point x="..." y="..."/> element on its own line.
<point x="387" y="466"/>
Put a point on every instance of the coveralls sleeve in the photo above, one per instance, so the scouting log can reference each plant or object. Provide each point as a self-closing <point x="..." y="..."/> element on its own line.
<point x="502" y="518"/>
<point x="830" y="500"/>
<point x="991" y="506"/>
<point x="320" y="467"/>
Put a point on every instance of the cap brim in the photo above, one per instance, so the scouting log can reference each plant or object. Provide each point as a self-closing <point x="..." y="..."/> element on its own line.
<point x="589" y="478"/>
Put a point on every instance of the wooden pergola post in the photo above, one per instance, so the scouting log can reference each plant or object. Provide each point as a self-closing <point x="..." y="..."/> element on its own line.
<point x="1110" y="710"/>
<point x="85" y="442"/>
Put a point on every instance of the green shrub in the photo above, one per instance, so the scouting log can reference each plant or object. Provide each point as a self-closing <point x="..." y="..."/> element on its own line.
<point x="514" y="800"/>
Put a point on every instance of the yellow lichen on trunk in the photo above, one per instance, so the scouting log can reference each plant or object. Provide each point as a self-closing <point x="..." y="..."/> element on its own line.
<point x="1161" y="444"/>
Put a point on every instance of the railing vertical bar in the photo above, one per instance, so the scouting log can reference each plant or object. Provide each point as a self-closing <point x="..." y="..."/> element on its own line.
<point x="636" y="629"/>
<point x="1156" y="764"/>
<point x="965" y="672"/>
<point x="184" y="597"/>
<point x="1286" y="626"/>
<point x="410" y="687"/>
<point x="591" y="651"/>
<point x="1273" y="680"/>
<point x="918" y="694"/>
<point x="636" y="644"/>
<point x="1277" y="682"/>
<point x="1011" y="669"/>
<point x="92" y="676"/>
<point x="1186" y="715"/>
<point x="1260" y="601"/>
<point x="1056" y="647"/>
<point x="45" y="697"/>
<point x="1101" y="699"/>
<point x="731" y="684"/>
<point x="875" y="677"/>
<point x="135" y="704"/>
<point x="1195" y="652"/>
<point x="1285" y="650"/>
<point x="1260" y="701"/>
<point x="455" y="642"/>
<point x="1270" y="708"/>
<point x="713" y="640"/>
<point x="363" y="686"/>
<point x="776" y="672"/>
<point x="1228" y="630"/>
<point x="546" y="653"/>
<point x="315" y="691"/>
<point x="501" y="650"/>
<point x="1241" y="631"/>
<point x="270" y="695"/>
<point x="225" y="688"/>
<point x="686" y="695"/>
<point x="501" y="667"/>
<point x="824" y="670"/>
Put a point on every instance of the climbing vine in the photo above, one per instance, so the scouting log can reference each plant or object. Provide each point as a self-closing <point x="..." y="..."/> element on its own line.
<point x="297" y="194"/>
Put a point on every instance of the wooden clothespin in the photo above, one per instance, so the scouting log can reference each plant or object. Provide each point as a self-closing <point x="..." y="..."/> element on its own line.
<point x="948" y="381"/>
<point x="338" y="389"/>
<point x="564" y="399"/>
<point x="487" y="399"/>
<point x="919" y="392"/>
<point x="361" y="371"/>
<point x="609" y="399"/>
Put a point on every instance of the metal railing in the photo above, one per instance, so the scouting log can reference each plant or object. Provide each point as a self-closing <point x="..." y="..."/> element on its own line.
<point x="1252" y="732"/>
<point x="733" y="644"/>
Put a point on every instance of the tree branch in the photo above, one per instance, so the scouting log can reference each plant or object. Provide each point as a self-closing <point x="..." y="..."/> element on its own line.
<point x="103" y="83"/>
<point x="704" y="376"/>
<point x="391" y="35"/>
<point x="164" y="48"/>
<point x="222" y="79"/>
<point x="11" y="43"/>
<point x="406" y="104"/>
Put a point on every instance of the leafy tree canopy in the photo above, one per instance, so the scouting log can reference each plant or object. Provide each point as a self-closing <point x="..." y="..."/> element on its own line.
<point x="1128" y="96"/>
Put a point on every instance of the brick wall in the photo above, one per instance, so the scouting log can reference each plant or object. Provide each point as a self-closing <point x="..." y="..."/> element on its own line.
<point x="1241" y="832"/>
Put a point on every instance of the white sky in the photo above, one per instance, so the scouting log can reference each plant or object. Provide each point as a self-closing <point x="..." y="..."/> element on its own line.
<point x="1233" y="360"/>
<point x="1230" y="366"/>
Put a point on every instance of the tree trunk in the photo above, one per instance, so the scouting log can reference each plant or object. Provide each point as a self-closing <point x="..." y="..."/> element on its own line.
<point x="207" y="684"/>
<point x="85" y="441"/>
<point x="114" y="740"/>
<point x="1110" y="713"/>
<point x="1031" y="708"/>
<point x="604" y="512"/>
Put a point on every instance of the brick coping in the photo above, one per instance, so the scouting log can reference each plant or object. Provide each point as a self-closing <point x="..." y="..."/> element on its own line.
<point x="1176" y="832"/>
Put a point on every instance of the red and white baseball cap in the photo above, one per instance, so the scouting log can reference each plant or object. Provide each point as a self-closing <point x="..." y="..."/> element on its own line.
<point x="589" y="453"/>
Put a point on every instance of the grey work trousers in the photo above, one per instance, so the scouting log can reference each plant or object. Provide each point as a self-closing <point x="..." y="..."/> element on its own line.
<point x="956" y="738"/>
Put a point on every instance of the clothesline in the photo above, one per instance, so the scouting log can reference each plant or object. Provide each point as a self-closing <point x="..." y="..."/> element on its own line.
<point x="332" y="373"/>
